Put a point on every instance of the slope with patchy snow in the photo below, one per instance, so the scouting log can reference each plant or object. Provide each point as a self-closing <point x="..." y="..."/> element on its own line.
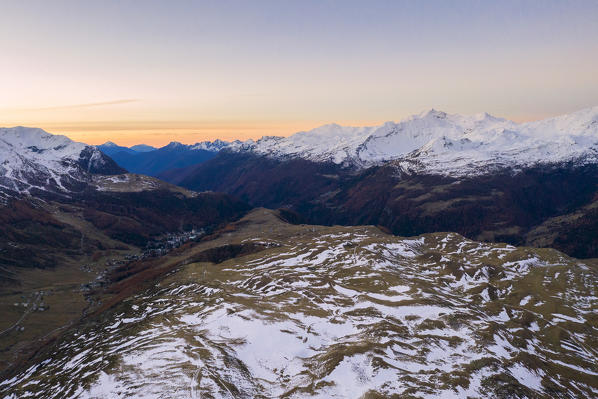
<point x="341" y="313"/>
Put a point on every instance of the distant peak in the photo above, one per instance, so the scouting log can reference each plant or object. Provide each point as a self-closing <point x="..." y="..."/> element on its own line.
<point x="433" y="113"/>
<point x="327" y="128"/>
<point x="483" y="116"/>
<point x="142" y="148"/>
<point x="213" y="146"/>
<point x="109" y="144"/>
<point x="335" y="125"/>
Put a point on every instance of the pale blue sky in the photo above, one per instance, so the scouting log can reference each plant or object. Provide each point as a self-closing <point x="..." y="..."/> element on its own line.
<point x="190" y="70"/>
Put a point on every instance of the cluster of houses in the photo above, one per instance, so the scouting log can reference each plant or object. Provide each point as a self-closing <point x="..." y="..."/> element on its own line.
<point x="33" y="302"/>
<point x="153" y="249"/>
<point x="160" y="246"/>
<point x="169" y="242"/>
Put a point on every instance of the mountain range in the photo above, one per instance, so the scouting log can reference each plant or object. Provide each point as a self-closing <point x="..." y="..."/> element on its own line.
<point x="432" y="142"/>
<point x="152" y="161"/>
<point x="440" y="143"/>
<point x="484" y="177"/>
<point x="159" y="272"/>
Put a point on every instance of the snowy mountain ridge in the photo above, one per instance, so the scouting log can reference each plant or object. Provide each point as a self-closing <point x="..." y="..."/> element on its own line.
<point x="32" y="158"/>
<point x="111" y="148"/>
<point x="431" y="142"/>
<point x="434" y="142"/>
<point x="438" y="142"/>
<point x="213" y="146"/>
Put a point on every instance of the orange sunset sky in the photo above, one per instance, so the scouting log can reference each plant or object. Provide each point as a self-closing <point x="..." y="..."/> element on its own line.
<point x="154" y="72"/>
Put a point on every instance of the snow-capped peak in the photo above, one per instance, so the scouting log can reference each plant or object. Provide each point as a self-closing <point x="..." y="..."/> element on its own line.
<point x="32" y="158"/>
<point x="439" y="142"/>
<point x="174" y="144"/>
<point x="432" y="113"/>
<point x="213" y="146"/>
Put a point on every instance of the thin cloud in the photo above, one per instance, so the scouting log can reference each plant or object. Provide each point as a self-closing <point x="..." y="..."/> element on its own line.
<point x="88" y="105"/>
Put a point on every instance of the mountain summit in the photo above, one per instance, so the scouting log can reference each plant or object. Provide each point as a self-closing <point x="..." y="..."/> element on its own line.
<point x="33" y="159"/>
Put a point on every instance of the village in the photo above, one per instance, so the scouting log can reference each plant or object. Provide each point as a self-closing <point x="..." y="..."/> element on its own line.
<point x="153" y="249"/>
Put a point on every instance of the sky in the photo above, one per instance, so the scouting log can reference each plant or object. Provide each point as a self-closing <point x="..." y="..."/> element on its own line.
<point x="158" y="71"/>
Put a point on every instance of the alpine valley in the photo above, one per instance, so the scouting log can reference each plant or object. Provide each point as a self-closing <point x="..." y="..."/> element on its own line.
<point x="487" y="178"/>
<point x="442" y="256"/>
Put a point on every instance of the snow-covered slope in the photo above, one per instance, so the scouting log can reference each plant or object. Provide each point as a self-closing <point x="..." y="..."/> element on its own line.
<point x="437" y="142"/>
<point x="32" y="158"/>
<point x="213" y="146"/>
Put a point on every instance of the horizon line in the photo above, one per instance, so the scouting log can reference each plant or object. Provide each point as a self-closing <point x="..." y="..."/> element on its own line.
<point x="84" y="131"/>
